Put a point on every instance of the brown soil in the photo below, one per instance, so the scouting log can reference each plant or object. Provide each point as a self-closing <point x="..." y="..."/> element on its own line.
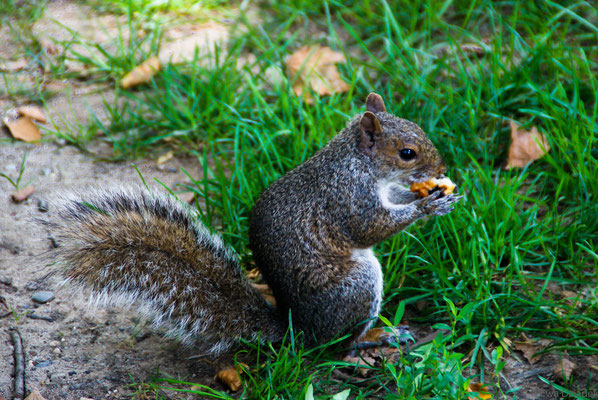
<point x="93" y="352"/>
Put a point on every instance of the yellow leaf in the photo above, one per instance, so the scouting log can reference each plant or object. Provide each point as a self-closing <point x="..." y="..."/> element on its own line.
<point x="142" y="73"/>
<point x="480" y="389"/>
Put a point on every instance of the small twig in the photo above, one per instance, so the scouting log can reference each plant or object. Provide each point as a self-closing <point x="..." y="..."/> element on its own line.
<point x="35" y="316"/>
<point x="19" y="385"/>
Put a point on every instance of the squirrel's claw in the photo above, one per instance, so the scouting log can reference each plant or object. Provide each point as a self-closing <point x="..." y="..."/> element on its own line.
<point x="438" y="204"/>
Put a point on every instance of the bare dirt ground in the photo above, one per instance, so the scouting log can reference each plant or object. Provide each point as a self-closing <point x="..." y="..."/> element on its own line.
<point x="77" y="352"/>
<point x="74" y="351"/>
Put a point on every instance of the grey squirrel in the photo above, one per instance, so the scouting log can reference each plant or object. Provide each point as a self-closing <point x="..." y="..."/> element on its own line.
<point x="311" y="233"/>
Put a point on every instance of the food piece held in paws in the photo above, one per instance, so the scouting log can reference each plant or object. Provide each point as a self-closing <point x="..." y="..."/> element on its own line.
<point x="423" y="189"/>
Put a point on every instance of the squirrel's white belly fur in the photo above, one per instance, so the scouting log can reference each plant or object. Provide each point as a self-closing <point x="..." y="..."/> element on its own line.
<point x="367" y="259"/>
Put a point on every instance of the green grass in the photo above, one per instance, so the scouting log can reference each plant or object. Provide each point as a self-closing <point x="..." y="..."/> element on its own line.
<point x="186" y="7"/>
<point x="21" y="10"/>
<point x="488" y="271"/>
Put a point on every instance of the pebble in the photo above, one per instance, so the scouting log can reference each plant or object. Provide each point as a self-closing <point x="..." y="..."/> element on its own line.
<point x="42" y="205"/>
<point x="53" y="242"/>
<point x="56" y="350"/>
<point x="43" y="297"/>
<point x="6" y="280"/>
<point x="41" y="364"/>
<point x="54" y="343"/>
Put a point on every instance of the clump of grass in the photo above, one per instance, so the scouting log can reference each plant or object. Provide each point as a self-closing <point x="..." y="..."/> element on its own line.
<point x="25" y="11"/>
<point x="148" y="7"/>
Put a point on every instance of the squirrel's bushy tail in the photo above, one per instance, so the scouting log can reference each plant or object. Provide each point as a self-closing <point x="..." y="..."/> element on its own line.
<point x="147" y="250"/>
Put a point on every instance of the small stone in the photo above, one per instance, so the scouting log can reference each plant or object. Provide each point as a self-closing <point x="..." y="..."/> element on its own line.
<point x="53" y="242"/>
<point x="56" y="350"/>
<point x="45" y="171"/>
<point x="54" y="343"/>
<point x="6" y="280"/>
<point x="41" y="364"/>
<point x="43" y="297"/>
<point x="31" y="286"/>
<point x="42" y="205"/>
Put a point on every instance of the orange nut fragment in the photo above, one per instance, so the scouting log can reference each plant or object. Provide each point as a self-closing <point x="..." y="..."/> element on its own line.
<point x="423" y="189"/>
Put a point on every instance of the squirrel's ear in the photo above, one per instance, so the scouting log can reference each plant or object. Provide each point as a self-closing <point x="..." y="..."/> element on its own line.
<point x="374" y="103"/>
<point x="370" y="131"/>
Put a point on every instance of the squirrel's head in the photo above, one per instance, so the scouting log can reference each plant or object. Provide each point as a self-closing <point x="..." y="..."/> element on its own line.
<point x="398" y="147"/>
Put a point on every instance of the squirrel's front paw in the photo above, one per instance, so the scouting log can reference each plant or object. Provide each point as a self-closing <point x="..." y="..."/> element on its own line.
<point x="437" y="203"/>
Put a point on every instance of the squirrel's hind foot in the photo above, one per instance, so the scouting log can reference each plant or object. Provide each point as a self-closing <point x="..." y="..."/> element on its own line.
<point x="380" y="337"/>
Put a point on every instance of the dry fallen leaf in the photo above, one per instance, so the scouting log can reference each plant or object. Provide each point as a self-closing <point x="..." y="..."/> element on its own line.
<point x="181" y="43"/>
<point x="22" y="194"/>
<point x="22" y="127"/>
<point x="35" y="395"/>
<point x="165" y="157"/>
<point x="528" y="349"/>
<point x="265" y="290"/>
<point x="526" y="146"/>
<point x="33" y="112"/>
<point x="572" y="298"/>
<point x="142" y="73"/>
<point x="564" y="369"/>
<point x="253" y="274"/>
<point x="231" y="377"/>
<point x="316" y="66"/>
<point x="480" y="389"/>
<point x="362" y="363"/>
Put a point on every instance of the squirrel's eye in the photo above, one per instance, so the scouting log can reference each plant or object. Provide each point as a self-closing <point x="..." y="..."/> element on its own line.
<point x="407" y="154"/>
